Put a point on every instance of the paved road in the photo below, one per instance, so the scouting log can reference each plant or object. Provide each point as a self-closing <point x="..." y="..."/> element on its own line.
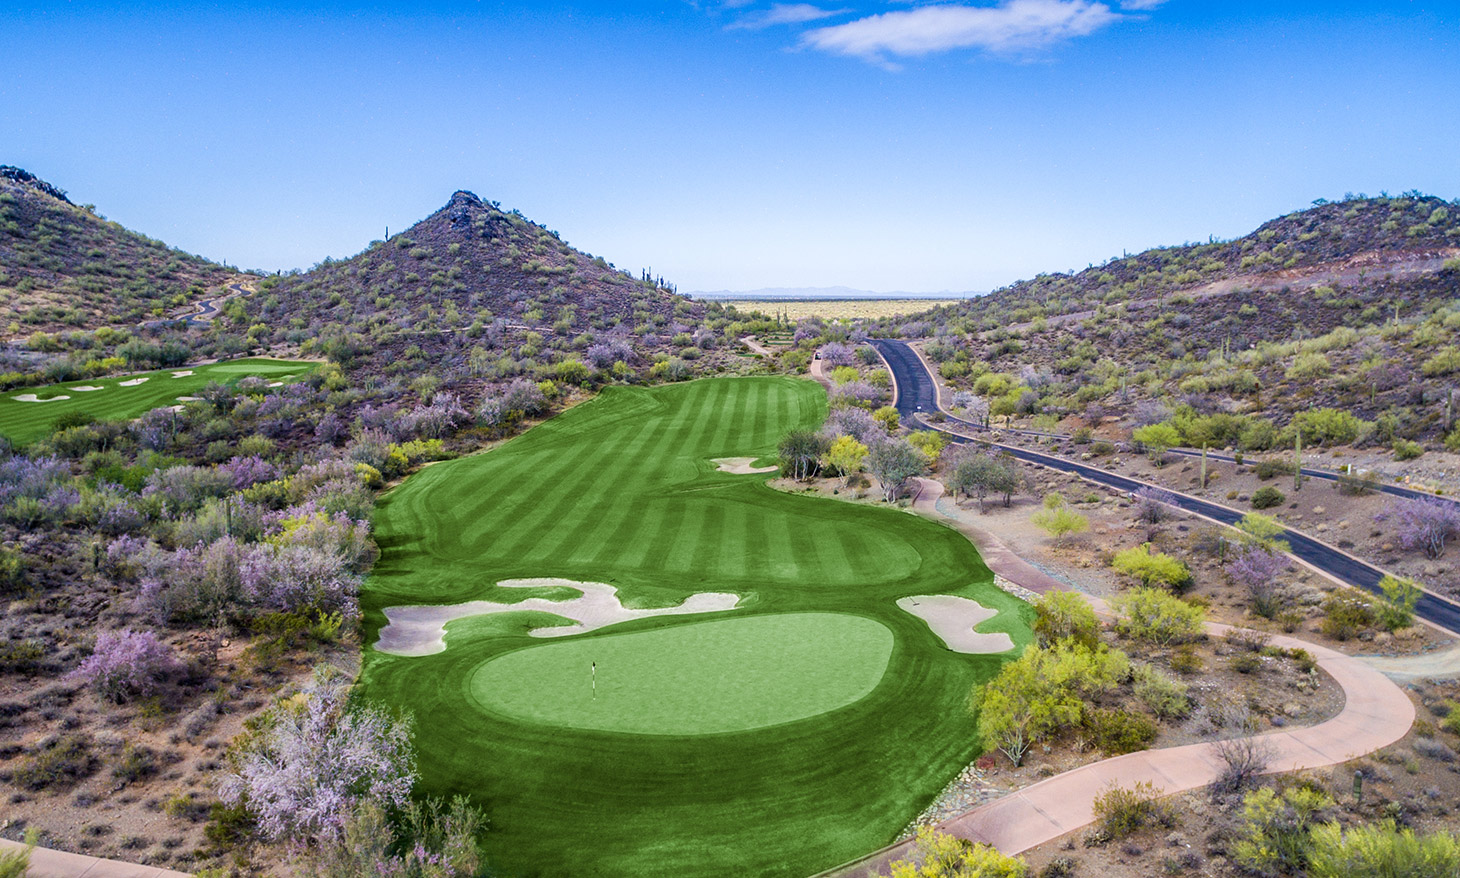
<point x="917" y="395"/>
<point x="910" y="361"/>
<point x="207" y="310"/>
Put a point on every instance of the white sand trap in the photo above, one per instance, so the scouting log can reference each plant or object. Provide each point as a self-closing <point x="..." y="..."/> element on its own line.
<point x="87" y="388"/>
<point x="132" y="383"/>
<point x="418" y="631"/>
<point x="740" y="466"/>
<point x="953" y="619"/>
<point x="183" y="374"/>
<point x="31" y="397"/>
<point x="276" y="384"/>
<point x="188" y="398"/>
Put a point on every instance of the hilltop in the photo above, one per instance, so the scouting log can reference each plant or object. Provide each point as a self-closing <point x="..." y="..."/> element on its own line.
<point x="1343" y="306"/>
<point x="63" y="266"/>
<point x="474" y="275"/>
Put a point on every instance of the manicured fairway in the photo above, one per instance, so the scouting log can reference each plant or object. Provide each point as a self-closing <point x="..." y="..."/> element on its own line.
<point x="22" y="420"/>
<point x="799" y="730"/>
<point x="712" y="676"/>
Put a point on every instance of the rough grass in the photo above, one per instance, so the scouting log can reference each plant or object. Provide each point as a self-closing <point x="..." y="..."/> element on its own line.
<point x="23" y="422"/>
<point x="621" y="490"/>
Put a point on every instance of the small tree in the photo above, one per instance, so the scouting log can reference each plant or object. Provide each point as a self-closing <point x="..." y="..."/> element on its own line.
<point x="1157" y="439"/>
<point x="801" y="452"/>
<point x="846" y="455"/>
<point x="1060" y="521"/>
<point x="893" y="462"/>
<point x="1396" y="610"/>
<point x="931" y="443"/>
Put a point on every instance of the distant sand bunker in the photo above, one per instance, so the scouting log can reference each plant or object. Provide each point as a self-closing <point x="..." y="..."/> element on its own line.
<point x="182" y="374"/>
<point x="87" y="388"/>
<point x="133" y="383"/>
<point x="418" y="631"/>
<point x="31" y="397"/>
<point x="740" y="466"/>
<point x="953" y="619"/>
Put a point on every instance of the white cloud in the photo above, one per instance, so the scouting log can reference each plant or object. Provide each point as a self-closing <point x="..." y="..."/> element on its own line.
<point x="1010" y="26"/>
<point x="1141" y="5"/>
<point x="785" y="13"/>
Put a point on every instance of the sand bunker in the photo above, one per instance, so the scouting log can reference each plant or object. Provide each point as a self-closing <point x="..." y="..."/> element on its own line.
<point x="87" y="388"/>
<point x="31" y="397"/>
<point x="418" y="631"/>
<point x="182" y="374"/>
<point x="740" y="466"/>
<point x="133" y="383"/>
<point x="953" y="618"/>
<point x="276" y="384"/>
<point x="188" y="398"/>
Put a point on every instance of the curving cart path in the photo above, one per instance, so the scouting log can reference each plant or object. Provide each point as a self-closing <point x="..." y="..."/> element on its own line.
<point x="1376" y="713"/>
<point x="46" y="863"/>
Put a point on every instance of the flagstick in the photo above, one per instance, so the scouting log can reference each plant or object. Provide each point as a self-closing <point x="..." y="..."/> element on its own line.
<point x="594" y="676"/>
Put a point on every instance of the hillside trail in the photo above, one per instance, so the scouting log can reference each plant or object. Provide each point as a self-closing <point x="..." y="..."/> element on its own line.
<point x="1376" y="713"/>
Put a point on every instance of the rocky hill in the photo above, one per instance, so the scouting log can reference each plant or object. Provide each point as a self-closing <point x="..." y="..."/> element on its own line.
<point x="472" y="276"/>
<point x="63" y="266"/>
<point x="1346" y="306"/>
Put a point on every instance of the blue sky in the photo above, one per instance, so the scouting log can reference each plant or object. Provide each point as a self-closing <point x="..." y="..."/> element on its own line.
<point x="742" y="144"/>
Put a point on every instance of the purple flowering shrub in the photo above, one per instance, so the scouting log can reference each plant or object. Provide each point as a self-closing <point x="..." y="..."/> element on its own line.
<point x="857" y="423"/>
<point x="1423" y="523"/>
<point x="444" y="416"/>
<point x="300" y="579"/>
<point x="244" y="472"/>
<point x="837" y="354"/>
<point x="605" y="354"/>
<point x="126" y="664"/>
<point x="307" y="768"/>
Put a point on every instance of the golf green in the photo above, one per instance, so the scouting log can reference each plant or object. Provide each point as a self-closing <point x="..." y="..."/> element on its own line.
<point x="714" y="676"/>
<point x="27" y="414"/>
<point x="735" y="743"/>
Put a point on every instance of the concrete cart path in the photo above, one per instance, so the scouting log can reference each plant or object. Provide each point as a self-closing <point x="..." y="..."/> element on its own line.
<point x="45" y="863"/>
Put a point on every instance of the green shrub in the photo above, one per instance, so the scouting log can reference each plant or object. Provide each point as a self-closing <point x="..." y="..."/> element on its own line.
<point x="1263" y="530"/>
<point x="1154" y="616"/>
<point x="1153" y="569"/>
<point x="1060" y="522"/>
<point x="1407" y="450"/>
<point x="57" y="764"/>
<point x="1121" y="811"/>
<point x="1346" y="613"/>
<point x="1272" y="468"/>
<point x="1162" y="695"/>
<point x="16" y="864"/>
<point x="1330" y="427"/>
<point x="1043" y="691"/>
<point x="1267" y="497"/>
<point x="940" y="855"/>
<point x="1396" y="609"/>
<point x="12" y="571"/>
<point x="1382" y="851"/>
<point x="1274" y="837"/>
<point x="1308" y="366"/>
<point x="1117" y="731"/>
<point x="1066" y="615"/>
<point x="1157" y="438"/>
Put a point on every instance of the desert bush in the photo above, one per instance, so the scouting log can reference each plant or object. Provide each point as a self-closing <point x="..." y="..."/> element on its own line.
<point x="1326" y="426"/>
<point x="1156" y="439"/>
<point x="16" y="864"/>
<point x="57" y="763"/>
<point x="939" y="855"/>
<point x="1423" y="523"/>
<point x="1060" y="522"/>
<point x="1357" y="484"/>
<point x="1124" y="810"/>
<point x="893" y="462"/>
<point x="1066" y="615"/>
<point x="1042" y="691"/>
<point x="1272" y="468"/>
<point x="434" y="839"/>
<point x="1153" y="569"/>
<point x="1152" y="615"/>
<point x="304" y="768"/>
<point x="1259" y="570"/>
<point x="12" y="571"/>
<point x="1396" y="609"/>
<point x="1153" y="506"/>
<point x="1346" y="613"/>
<point x="126" y="664"/>
<point x="1117" y="731"/>
<point x="1165" y="697"/>
<point x="1267" y="497"/>
<point x="1407" y="450"/>
<point x="1274" y="836"/>
<point x="1263" y="531"/>
<point x="1382" y="851"/>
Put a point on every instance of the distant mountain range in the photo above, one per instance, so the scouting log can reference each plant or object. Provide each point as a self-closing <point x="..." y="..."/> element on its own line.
<point x="792" y="293"/>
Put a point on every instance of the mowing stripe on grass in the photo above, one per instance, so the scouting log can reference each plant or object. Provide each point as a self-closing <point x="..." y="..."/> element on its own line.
<point x="620" y="490"/>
